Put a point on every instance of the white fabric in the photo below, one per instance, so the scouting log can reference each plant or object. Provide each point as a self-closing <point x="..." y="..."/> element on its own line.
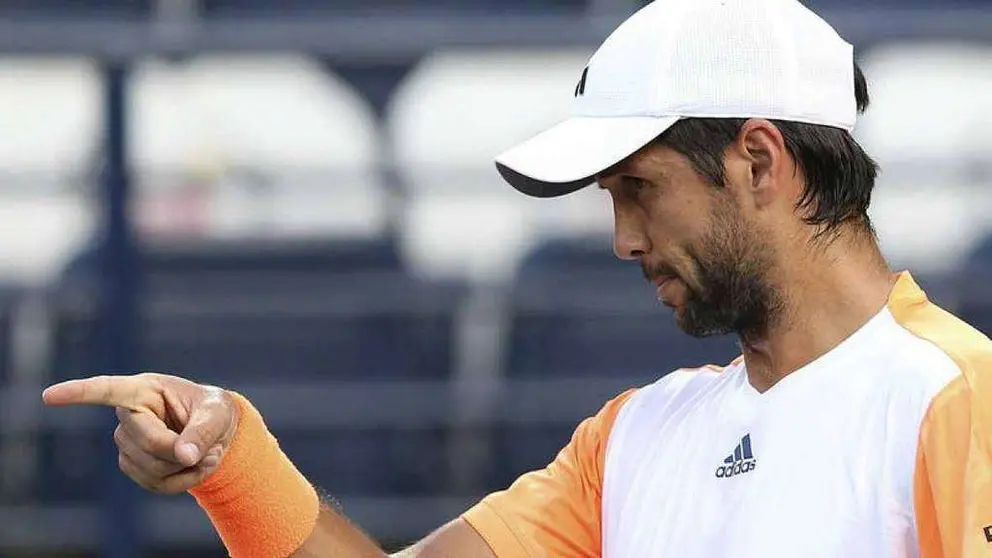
<point x="706" y="58"/>
<point x="838" y="435"/>
<point x="603" y="141"/>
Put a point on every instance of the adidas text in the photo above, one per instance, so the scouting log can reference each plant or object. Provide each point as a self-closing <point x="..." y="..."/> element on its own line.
<point x="727" y="471"/>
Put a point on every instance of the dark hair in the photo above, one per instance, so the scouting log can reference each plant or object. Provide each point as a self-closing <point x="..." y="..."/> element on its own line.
<point x="839" y="174"/>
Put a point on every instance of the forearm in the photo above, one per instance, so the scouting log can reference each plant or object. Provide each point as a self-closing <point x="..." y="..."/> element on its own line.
<point x="262" y="507"/>
<point x="259" y="503"/>
<point x="334" y="536"/>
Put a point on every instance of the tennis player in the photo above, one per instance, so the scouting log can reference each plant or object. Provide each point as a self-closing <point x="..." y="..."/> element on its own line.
<point x="857" y="422"/>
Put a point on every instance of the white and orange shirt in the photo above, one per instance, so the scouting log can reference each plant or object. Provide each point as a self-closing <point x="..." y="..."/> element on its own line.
<point x="881" y="448"/>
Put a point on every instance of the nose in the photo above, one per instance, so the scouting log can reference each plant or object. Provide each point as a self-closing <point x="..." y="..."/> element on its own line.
<point x="630" y="239"/>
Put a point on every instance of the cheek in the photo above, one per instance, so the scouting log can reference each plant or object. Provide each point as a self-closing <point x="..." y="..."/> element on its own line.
<point x="671" y="229"/>
<point x="683" y="243"/>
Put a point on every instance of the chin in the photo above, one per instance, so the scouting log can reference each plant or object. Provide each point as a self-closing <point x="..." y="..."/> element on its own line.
<point x="695" y="328"/>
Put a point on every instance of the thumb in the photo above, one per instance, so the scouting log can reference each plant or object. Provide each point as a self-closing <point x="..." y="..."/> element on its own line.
<point x="207" y="424"/>
<point x="188" y="453"/>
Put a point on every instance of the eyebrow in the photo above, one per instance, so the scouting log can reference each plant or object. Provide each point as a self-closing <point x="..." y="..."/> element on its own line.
<point x="626" y="174"/>
<point x="623" y="167"/>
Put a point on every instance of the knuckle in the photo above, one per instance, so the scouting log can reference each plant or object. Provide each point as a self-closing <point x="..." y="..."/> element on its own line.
<point x="124" y="464"/>
<point x="119" y="436"/>
<point x="130" y="469"/>
<point x="162" y="469"/>
<point x="122" y="414"/>
<point x="150" y="379"/>
<point x="145" y="443"/>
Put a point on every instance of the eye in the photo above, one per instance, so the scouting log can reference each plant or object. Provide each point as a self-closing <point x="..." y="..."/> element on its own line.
<point x="637" y="185"/>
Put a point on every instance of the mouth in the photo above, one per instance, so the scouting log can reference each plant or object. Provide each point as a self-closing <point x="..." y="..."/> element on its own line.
<point x="661" y="280"/>
<point x="662" y="277"/>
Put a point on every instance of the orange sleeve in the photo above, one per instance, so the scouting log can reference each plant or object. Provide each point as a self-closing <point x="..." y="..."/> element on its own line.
<point x="953" y="480"/>
<point x="555" y="511"/>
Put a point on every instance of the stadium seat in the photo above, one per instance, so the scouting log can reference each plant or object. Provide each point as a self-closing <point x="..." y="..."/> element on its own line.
<point x="364" y="462"/>
<point x="263" y="318"/>
<point x="51" y="107"/>
<point x="830" y="5"/>
<point x="577" y="311"/>
<point x="92" y="9"/>
<point x="261" y="145"/>
<point x="975" y="305"/>
<point x="981" y="257"/>
<point x="8" y="299"/>
<point x="234" y="311"/>
<point x="356" y="317"/>
<point x="971" y="285"/>
<point x="453" y="114"/>
<point x="220" y="8"/>
<point x="70" y="465"/>
<point x="928" y="207"/>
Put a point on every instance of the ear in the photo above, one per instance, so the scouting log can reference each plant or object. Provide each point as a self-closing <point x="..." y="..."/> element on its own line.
<point x="761" y="149"/>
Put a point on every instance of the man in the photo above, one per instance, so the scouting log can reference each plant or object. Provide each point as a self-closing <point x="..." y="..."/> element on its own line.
<point x="857" y="422"/>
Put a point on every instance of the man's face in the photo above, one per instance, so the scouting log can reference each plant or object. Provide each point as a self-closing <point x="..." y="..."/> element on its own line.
<point x="693" y="242"/>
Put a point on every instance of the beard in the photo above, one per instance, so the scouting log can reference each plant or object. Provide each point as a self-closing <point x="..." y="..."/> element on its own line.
<point x="729" y="291"/>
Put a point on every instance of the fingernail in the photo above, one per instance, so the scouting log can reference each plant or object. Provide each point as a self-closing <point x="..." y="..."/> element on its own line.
<point x="188" y="454"/>
<point x="210" y="461"/>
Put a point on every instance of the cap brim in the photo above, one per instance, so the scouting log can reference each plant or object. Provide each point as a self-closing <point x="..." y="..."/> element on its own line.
<point x="568" y="156"/>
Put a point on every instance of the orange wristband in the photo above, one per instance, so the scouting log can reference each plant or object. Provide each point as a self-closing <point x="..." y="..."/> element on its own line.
<point x="258" y="502"/>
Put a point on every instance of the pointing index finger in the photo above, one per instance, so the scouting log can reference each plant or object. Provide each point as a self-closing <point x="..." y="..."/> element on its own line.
<point x="110" y="391"/>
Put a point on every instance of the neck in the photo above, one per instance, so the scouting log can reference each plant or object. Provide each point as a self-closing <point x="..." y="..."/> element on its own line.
<point x="827" y="293"/>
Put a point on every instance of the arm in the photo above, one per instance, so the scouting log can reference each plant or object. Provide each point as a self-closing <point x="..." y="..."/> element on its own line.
<point x="335" y="536"/>
<point x="953" y="477"/>
<point x="174" y="436"/>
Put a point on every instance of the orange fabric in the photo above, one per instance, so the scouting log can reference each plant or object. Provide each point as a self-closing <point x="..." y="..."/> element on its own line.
<point x="555" y="511"/>
<point x="258" y="501"/>
<point x="953" y="479"/>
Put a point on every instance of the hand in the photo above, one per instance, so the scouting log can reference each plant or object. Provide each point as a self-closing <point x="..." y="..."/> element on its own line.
<point x="172" y="434"/>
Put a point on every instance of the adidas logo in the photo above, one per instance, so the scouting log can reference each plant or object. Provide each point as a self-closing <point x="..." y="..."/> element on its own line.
<point x="740" y="462"/>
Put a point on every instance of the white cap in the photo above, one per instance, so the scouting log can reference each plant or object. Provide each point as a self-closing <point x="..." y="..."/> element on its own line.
<point x="674" y="59"/>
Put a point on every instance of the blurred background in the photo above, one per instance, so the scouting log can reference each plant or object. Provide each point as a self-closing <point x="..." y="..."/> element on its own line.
<point x="295" y="199"/>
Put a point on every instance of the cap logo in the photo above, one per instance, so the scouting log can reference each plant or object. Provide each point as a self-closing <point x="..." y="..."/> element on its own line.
<point x="580" y="88"/>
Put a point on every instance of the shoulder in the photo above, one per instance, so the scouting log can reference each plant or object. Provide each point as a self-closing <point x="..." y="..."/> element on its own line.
<point x="948" y="351"/>
<point x="938" y="335"/>
<point x="954" y="441"/>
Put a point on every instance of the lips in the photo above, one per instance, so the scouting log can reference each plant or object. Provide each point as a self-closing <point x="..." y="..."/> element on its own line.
<point x="661" y="281"/>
